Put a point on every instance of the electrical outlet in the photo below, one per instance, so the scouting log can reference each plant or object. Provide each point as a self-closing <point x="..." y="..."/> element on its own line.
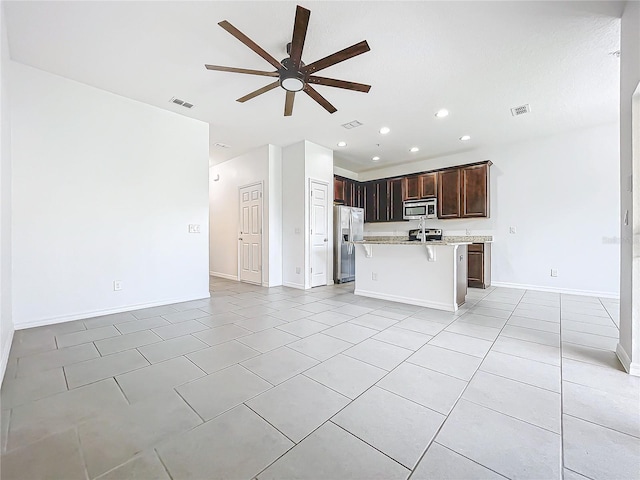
<point x="194" y="228"/>
<point x="554" y="272"/>
<point x="468" y="232"/>
<point x="298" y="270"/>
<point x="117" y="285"/>
<point x="512" y="230"/>
<point x="374" y="277"/>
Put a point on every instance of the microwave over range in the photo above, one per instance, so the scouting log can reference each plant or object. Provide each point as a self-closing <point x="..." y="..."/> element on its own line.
<point x="417" y="209"/>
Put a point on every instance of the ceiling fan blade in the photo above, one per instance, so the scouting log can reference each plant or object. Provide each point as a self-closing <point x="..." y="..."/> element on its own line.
<point x="260" y="91"/>
<point x="249" y="43"/>
<point x="288" y="104"/>
<point x="332" y="82"/>
<point x="241" y="70"/>
<point x="299" y="33"/>
<point x="341" y="56"/>
<point x="309" y="90"/>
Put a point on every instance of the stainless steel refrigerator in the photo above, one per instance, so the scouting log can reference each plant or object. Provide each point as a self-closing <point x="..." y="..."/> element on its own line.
<point x="349" y="226"/>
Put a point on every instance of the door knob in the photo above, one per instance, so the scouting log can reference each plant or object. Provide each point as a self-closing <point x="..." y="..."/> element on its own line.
<point x="325" y="239"/>
<point x="240" y="238"/>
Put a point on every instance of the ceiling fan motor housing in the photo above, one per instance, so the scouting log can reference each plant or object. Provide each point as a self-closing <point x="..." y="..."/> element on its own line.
<point x="291" y="78"/>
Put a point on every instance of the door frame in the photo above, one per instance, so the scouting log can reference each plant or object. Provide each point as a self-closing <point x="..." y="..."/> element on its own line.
<point x="238" y="225"/>
<point x="329" y="263"/>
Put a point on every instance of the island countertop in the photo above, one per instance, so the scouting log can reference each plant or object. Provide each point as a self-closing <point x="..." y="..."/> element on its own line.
<point x="447" y="240"/>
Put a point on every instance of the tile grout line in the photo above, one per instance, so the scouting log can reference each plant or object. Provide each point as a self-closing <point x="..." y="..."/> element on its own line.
<point x="162" y="463"/>
<point x="84" y="461"/>
<point x="470" y="459"/>
<point x="636" y="437"/>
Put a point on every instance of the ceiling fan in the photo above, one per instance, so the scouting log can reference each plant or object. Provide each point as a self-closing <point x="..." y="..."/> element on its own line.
<point x="293" y="75"/>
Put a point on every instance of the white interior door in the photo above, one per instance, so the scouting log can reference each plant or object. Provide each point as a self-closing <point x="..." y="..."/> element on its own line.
<point x="319" y="232"/>
<point x="250" y="235"/>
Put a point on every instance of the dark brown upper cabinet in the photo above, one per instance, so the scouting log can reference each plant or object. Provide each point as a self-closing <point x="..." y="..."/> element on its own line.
<point x="338" y="190"/>
<point x="474" y="189"/>
<point x="411" y="188"/>
<point x="449" y="193"/>
<point x="417" y="187"/>
<point x="395" y="200"/>
<point x="429" y="185"/>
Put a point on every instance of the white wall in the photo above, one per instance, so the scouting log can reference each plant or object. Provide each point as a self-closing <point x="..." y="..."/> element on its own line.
<point x="275" y="216"/>
<point x="104" y="189"/>
<point x="294" y="189"/>
<point x="6" y="322"/>
<point x="561" y="194"/>
<point x="629" y="168"/>
<point x="262" y="165"/>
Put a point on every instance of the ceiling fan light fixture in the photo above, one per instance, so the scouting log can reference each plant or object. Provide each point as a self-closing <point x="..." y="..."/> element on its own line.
<point x="291" y="84"/>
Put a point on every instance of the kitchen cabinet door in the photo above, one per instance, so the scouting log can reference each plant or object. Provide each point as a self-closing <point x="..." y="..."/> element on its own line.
<point x="428" y="185"/>
<point x="479" y="265"/>
<point x="449" y="193"/>
<point x="338" y="190"/>
<point x="348" y="192"/>
<point x="475" y="201"/>
<point x="383" y="201"/>
<point x="411" y="188"/>
<point x="395" y="200"/>
<point x="370" y="202"/>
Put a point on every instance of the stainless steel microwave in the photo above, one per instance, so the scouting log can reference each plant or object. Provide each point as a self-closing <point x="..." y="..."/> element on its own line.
<point x="417" y="209"/>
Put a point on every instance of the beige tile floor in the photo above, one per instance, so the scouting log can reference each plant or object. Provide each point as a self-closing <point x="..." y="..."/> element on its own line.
<point x="282" y="383"/>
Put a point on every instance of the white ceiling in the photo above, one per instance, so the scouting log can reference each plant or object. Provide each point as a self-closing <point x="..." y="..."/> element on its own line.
<point x="477" y="59"/>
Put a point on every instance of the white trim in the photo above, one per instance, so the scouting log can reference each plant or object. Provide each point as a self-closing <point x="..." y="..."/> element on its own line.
<point x="632" y="368"/>
<point x="223" y="275"/>
<point x="98" y="313"/>
<point x="411" y="301"/>
<point x="299" y="286"/>
<point x="6" y="349"/>
<point x="571" y="291"/>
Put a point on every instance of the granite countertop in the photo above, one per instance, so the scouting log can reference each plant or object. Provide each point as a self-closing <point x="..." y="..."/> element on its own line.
<point x="446" y="240"/>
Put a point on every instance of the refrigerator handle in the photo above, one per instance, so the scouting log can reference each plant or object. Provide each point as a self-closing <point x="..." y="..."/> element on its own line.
<point x="350" y="246"/>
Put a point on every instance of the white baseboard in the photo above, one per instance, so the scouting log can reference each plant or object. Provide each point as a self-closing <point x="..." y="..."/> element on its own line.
<point x="293" y="285"/>
<point x="98" y="313"/>
<point x="570" y="291"/>
<point x="6" y="348"/>
<point x="411" y="301"/>
<point x="223" y="275"/>
<point x="632" y="368"/>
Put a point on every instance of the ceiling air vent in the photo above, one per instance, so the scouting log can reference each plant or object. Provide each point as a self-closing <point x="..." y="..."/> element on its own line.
<point x="521" y="110"/>
<point x="182" y="103"/>
<point x="351" y="125"/>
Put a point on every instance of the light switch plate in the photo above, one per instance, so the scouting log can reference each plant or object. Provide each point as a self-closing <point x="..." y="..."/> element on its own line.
<point x="512" y="230"/>
<point x="194" y="228"/>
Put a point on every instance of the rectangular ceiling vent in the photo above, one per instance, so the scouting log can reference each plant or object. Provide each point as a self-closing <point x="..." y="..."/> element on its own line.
<point x="351" y="125"/>
<point x="221" y="145"/>
<point x="182" y="103"/>
<point x="521" y="110"/>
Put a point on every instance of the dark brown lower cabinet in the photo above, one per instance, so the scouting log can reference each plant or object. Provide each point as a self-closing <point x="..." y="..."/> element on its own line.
<point x="479" y="265"/>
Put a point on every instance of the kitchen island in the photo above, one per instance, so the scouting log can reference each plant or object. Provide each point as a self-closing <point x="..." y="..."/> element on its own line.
<point x="429" y="274"/>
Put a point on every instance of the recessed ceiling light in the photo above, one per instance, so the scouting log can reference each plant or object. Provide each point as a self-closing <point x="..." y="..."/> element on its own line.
<point x="464" y="138"/>
<point x="342" y="144"/>
<point x="375" y="159"/>
<point x="385" y="130"/>
<point x="414" y="149"/>
<point x="443" y="112"/>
